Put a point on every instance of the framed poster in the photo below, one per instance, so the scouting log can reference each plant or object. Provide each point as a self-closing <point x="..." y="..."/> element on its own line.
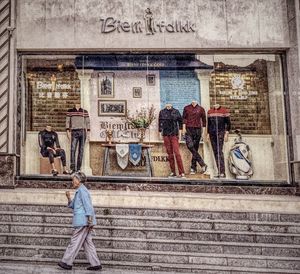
<point x="112" y="107"/>
<point x="137" y="92"/>
<point x="150" y="79"/>
<point x="106" y="85"/>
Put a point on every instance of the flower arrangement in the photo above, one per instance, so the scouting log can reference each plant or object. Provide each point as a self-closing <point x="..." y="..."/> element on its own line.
<point x="142" y="118"/>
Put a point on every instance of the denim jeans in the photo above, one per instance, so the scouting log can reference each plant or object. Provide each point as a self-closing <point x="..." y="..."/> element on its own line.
<point x="77" y="140"/>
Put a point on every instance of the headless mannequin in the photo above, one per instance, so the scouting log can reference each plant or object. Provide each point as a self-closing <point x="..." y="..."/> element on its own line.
<point x="206" y="136"/>
<point x="194" y="123"/>
<point x="170" y="127"/>
<point x="217" y="132"/>
<point x="77" y="106"/>
<point x="78" y="131"/>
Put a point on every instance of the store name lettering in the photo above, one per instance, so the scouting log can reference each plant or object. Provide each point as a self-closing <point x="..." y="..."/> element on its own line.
<point x="160" y="158"/>
<point x="149" y="25"/>
<point x="51" y="86"/>
<point x="119" y="130"/>
<point x="239" y="94"/>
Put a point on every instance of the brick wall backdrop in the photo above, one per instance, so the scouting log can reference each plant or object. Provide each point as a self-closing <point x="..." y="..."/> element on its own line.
<point x="51" y="92"/>
<point x="249" y="104"/>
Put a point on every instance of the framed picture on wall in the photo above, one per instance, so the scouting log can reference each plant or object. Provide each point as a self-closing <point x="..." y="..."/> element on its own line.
<point x="137" y="92"/>
<point x="106" y="85"/>
<point x="150" y="79"/>
<point x="112" y="107"/>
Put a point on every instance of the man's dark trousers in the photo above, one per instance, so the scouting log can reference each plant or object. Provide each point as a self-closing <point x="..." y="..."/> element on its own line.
<point x="217" y="141"/>
<point x="51" y="155"/>
<point x="78" y="139"/>
<point x="192" y="139"/>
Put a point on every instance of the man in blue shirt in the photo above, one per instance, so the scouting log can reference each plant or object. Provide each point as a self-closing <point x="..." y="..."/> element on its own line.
<point x="83" y="221"/>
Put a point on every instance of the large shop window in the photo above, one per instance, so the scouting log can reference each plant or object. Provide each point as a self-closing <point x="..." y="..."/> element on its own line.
<point x="230" y="109"/>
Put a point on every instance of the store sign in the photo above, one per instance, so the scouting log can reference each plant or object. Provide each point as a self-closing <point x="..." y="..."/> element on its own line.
<point x="50" y="90"/>
<point x="52" y="86"/>
<point x="149" y="25"/>
<point x="121" y="130"/>
<point x="238" y="92"/>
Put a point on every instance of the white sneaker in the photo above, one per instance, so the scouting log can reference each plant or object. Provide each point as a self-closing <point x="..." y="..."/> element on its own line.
<point x="192" y="172"/>
<point x="181" y="176"/>
<point x="172" y="175"/>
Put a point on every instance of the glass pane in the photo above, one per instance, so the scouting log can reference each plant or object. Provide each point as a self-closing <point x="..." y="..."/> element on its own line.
<point x="124" y="94"/>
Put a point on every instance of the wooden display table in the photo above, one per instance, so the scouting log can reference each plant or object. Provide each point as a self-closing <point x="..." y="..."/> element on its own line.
<point x="111" y="168"/>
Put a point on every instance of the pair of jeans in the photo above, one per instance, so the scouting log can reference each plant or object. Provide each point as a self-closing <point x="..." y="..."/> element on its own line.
<point x="78" y="137"/>
<point x="172" y="146"/>
<point x="217" y="141"/>
<point x="51" y="155"/>
<point x="192" y="139"/>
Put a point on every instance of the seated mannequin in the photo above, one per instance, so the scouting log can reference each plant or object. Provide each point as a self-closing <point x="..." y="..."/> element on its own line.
<point x="50" y="147"/>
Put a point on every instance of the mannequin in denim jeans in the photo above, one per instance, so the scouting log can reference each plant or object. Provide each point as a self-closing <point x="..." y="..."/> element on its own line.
<point x="78" y="129"/>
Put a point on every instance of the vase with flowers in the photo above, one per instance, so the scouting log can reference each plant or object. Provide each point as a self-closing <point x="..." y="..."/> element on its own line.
<point x="141" y="120"/>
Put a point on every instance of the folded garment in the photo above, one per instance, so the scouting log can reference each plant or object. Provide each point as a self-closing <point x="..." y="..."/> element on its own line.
<point x="122" y="155"/>
<point x="135" y="153"/>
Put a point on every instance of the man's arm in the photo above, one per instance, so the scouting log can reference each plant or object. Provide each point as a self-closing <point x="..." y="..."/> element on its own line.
<point x="41" y="140"/>
<point x="203" y="118"/>
<point x="184" y="118"/>
<point x="70" y="201"/>
<point x="56" y="141"/>
<point x="87" y="120"/>
<point x="180" y="124"/>
<point x="227" y="125"/>
<point x="88" y="207"/>
<point x="160" y="121"/>
<point x="68" y="124"/>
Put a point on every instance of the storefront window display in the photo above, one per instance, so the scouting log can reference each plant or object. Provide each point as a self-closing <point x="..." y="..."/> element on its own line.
<point x="219" y="99"/>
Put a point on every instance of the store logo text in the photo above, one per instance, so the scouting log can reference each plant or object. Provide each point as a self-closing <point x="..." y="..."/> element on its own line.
<point x="148" y="25"/>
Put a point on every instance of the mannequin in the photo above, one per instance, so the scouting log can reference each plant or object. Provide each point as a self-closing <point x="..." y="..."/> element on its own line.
<point x="218" y="127"/>
<point x="78" y="129"/>
<point x="50" y="147"/>
<point x="170" y="126"/>
<point x="194" y="120"/>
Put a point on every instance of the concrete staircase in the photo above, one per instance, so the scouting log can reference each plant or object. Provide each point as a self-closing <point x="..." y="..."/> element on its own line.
<point x="162" y="240"/>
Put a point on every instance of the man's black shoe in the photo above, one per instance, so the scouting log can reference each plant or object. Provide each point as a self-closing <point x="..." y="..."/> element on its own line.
<point x="54" y="172"/>
<point x="64" y="266"/>
<point x="97" y="267"/>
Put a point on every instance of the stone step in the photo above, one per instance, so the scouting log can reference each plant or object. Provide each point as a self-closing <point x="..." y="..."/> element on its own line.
<point x="151" y="221"/>
<point x="156" y="233"/>
<point x="286" y="250"/>
<point x="196" y="268"/>
<point x="149" y="256"/>
<point x="212" y="215"/>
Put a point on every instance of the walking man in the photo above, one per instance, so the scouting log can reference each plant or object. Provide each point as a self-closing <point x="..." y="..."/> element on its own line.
<point x="83" y="221"/>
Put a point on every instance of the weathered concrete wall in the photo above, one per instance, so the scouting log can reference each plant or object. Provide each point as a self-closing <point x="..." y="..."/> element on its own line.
<point x="293" y="74"/>
<point x="76" y="24"/>
<point x="7" y="170"/>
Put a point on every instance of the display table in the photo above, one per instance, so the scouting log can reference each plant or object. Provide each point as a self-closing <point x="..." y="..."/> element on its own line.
<point x="111" y="168"/>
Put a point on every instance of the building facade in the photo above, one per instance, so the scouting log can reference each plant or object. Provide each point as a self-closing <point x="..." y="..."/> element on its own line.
<point x="115" y="58"/>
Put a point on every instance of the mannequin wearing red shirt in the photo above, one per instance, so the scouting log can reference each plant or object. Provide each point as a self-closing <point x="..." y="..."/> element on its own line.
<point x="194" y="119"/>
